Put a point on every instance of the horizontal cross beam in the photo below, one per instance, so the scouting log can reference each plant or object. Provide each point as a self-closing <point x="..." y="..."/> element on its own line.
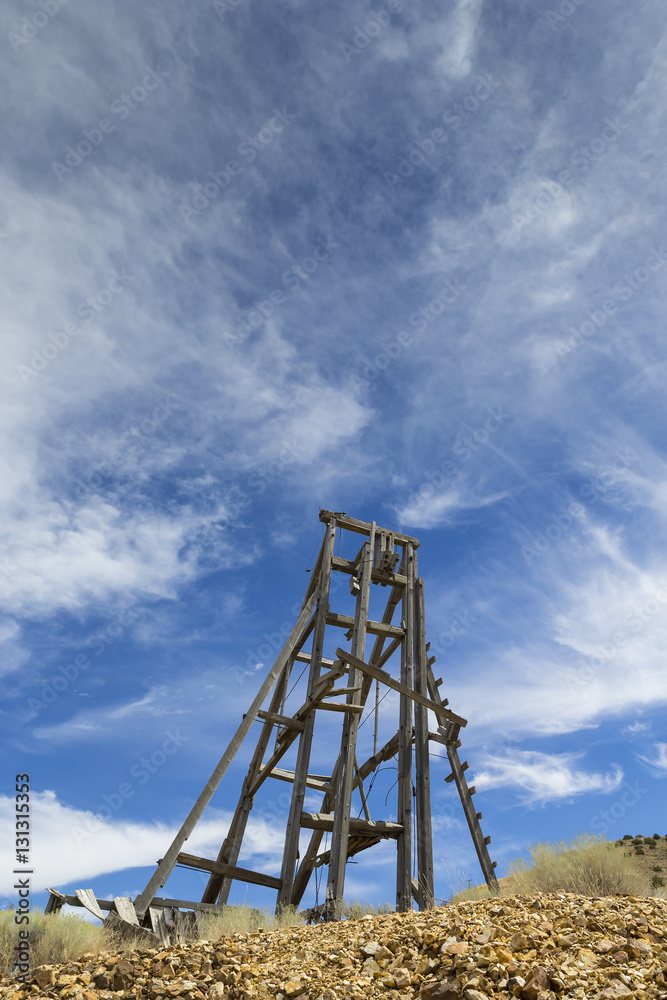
<point x="229" y="871"/>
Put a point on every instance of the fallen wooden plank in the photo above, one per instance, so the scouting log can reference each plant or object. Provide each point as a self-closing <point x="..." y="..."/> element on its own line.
<point x="229" y="871"/>
<point x="125" y="909"/>
<point x="385" y="678"/>
<point x="87" y="898"/>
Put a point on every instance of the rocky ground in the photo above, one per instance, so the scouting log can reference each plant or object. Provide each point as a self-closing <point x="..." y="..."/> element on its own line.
<point x="542" y="947"/>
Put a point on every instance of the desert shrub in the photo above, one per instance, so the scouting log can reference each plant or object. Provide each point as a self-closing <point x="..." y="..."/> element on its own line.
<point x="628" y="836"/>
<point x="639" y="850"/>
<point x="54" y="938"/>
<point x="656" y="836"/>
<point x="657" y="868"/>
<point x="588" y="865"/>
<point x="657" y="882"/>
<point x="651" y="844"/>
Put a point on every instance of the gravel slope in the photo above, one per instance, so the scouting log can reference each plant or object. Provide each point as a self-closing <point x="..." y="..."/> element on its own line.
<point x="539" y="947"/>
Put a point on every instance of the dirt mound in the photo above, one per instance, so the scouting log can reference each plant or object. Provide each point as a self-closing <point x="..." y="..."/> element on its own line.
<point x="540" y="947"/>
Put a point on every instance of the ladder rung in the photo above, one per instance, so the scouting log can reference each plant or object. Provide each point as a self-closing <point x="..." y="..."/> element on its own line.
<point x="487" y="840"/>
<point x="478" y="815"/>
<point x="449" y="779"/>
<point x="472" y="790"/>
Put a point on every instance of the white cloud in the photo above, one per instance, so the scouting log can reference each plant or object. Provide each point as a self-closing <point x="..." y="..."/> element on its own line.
<point x="437" y="509"/>
<point x="460" y="32"/>
<point x="73" y="845"/>
<point x="543" y="777"/>
<point x="658" y="763"/>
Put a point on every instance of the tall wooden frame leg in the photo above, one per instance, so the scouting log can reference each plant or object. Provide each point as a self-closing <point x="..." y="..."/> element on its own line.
<point x="422" y="766"/>
<point x="291" y="848"/>
<point x="347" y="760"/>
<point x="404" y="805"/>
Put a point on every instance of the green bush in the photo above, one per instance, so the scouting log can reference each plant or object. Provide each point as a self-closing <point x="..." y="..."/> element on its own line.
<point x="651" y="844"/>
<point x="588" y="865"/>
<point x="657" y="868"/>
<point x="657" y="882"/>
<point x="639" y="850"/>
<point x="628" y="836"/>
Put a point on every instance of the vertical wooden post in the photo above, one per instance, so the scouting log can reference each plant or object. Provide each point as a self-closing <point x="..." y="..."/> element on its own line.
<point x="404" y="805"/>
<point x="422" y="768"/>
<point x="347" y="760"/>
<point x="291" y="848"/>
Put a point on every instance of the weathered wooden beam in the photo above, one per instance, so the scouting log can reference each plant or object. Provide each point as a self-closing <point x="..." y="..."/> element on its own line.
<point x="229" y="871"/>
<point x="362" y="527"/>
<point x="317" y="781"/>
<point x="387" y="679"/>
<point x="291" y="848"/>
<point x="375" y="628"/>
<point x="361" y="827"/>
<point x="472" y="818"/>
<point x="165" y="868"/>
<point x="281" y="720"/>
<point x="404" y="791"/>
<point x="348" y="755"/>
<point x="423" y="827"/>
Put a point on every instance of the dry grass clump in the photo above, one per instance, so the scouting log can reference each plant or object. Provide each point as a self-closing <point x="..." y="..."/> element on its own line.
<point x="244" y="920"/>
<point x="54" y="939"/>
<point x="354" y="910"/>
<point x="587" y="865"/>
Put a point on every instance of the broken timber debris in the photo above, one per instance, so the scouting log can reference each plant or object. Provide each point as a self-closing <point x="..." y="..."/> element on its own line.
<point x="387" y="558"/>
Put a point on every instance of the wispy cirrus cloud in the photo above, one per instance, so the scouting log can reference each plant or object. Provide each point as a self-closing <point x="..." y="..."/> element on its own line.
<point x="542" y="777"/>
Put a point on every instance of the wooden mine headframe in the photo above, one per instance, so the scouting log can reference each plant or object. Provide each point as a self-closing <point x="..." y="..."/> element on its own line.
<point x="387" y="558"/>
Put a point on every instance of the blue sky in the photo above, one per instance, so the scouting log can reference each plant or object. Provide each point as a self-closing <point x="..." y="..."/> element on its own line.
<point x="402" y="260"/>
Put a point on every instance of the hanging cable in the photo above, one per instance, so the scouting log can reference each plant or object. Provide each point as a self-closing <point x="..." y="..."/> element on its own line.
<point x="370" y="714"/>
